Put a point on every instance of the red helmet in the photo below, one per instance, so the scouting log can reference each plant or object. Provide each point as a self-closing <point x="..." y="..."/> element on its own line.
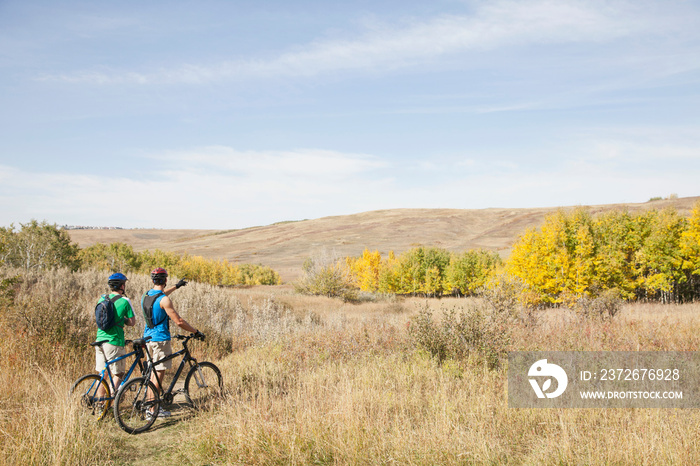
<point x="159" y="274"/>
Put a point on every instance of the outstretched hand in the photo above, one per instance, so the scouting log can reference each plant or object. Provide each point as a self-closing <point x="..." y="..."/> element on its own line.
<point x="181" y="283"/>
<point x="199" y="335"/>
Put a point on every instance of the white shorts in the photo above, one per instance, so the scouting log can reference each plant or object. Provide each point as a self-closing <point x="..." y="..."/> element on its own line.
<point x="160" y="350"/>
<point x="111" y="351"/>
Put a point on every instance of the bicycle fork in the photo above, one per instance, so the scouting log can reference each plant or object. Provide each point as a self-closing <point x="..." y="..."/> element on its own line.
<point x="199" y="377"/>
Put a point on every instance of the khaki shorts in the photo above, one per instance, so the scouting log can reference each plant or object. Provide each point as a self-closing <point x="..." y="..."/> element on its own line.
<point x="111" y="351"/>
<point x="160" y="350"/>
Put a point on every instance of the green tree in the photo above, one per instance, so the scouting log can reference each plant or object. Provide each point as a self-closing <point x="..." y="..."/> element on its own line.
<point x="619" y="236"/>
<point x="659" y="260"/>
<point x="38" y="246"/>
<point x="468" y="272"/>
<point x="422" y="271"/>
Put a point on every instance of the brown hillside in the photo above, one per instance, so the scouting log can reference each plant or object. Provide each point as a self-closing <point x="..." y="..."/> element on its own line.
<point x="285" y="246"/>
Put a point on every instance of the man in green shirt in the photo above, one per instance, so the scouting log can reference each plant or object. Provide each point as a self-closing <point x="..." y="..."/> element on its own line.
<point x="124" y="315"/>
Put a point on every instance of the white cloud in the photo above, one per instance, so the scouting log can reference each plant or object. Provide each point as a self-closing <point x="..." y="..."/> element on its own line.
<point x="640" y="149"/>
<point x="493" y="25"/>
<point x="220" y="187"/>
<point x="302" y="163"/>
<point x="209" y="188"/>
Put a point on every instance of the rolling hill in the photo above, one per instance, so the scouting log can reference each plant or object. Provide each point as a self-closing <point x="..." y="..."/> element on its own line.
<point x="285" y="246"/>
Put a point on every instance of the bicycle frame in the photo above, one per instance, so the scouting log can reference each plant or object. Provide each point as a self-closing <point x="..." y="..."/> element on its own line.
<point x="186" y="359"/>
<point x="137" y="362"/>
<point x="138" y="402"/>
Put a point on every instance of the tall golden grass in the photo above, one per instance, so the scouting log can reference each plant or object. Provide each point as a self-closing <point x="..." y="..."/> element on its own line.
<point x="313" y="380"/>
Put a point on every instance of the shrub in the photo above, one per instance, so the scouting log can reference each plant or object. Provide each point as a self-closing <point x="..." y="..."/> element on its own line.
<point x="604" y="306"/>
<point x="507" y="295"/>
<point x="7" y="291"/>
<point x="472" y="332"/>
<point x="325" y="275"/>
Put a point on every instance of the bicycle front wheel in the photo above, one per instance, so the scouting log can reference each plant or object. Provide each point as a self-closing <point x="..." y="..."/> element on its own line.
<point x="136" y="405"/>
<point x="90" y="395"/>
<point x="203" y="385"/>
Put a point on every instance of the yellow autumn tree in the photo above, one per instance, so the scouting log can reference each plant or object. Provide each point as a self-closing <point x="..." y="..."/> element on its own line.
<point x="538" y="258"/>
<point x="583" y="261"/>
<point x="557" y="262"/>
<point x="388" y="274"/>
<point x="365" y="270"/>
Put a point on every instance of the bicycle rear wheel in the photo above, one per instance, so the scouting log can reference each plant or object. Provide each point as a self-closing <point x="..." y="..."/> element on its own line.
<point x="132" y="406"/>
<point x="203" y="385"/>
<point x="83" y="395"/>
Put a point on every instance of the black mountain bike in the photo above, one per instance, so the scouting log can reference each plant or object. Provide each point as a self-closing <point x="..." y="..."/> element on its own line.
<point x="138" y="401"/>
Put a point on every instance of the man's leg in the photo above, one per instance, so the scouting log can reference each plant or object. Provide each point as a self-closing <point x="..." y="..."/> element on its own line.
<point x="159" y="350"/>
<point x="100" y="364"/>
<point x="101" y="392"/>
<point x="117" y="382"/>
<point x="157" y="379"/>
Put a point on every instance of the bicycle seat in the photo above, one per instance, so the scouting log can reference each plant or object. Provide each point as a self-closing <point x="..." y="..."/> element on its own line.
<point x="141" y="341"/>
<point x="99" y="343"/>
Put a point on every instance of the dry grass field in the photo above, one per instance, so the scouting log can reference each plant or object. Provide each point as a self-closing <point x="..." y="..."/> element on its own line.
<point x="312" y="380"/>
<point x="315" y="380"/>
<point x="285" y="246"/>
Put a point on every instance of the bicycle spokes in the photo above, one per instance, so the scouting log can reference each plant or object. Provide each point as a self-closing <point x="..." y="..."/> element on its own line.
<point x="90" y="395"/>
<point x="203" y="384"/>
<point x="133" y="403"/>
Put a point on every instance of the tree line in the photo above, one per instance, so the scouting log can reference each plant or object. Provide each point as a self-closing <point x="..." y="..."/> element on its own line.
<point x="39" y="245"/>
<point x="654" y="255"/>
<point x="423" y="271"/>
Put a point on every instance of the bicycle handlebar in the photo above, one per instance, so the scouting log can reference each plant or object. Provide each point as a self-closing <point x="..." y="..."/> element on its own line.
<point x="190" y="336"/>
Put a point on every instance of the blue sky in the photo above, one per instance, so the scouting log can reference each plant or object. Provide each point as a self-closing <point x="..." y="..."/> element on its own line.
<point x="230" y="114"/>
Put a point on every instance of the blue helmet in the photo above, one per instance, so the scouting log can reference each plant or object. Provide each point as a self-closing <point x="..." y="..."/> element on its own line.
<point x="116" y="280"/>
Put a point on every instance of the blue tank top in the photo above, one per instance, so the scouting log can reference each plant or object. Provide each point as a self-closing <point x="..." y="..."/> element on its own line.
<point x="161" y="331"/>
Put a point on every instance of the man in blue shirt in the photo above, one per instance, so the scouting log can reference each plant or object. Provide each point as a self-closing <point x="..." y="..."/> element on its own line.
<point x="158" y="311"/>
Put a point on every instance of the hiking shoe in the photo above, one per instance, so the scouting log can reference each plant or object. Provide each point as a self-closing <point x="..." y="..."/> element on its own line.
<point x="161" y="414"/>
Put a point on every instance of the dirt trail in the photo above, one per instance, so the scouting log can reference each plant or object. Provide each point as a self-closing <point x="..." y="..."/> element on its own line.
<point x="156" y="445"/>
<point x="159" y="442"/>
